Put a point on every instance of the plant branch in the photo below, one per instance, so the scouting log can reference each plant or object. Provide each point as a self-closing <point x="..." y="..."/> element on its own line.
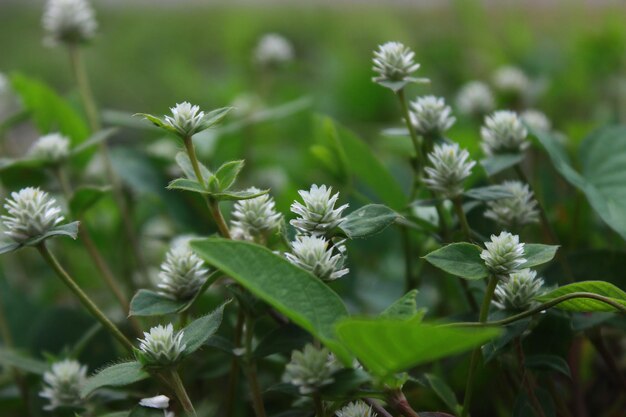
<point x="319" y="405"/>
<point x="250" y="369"/>
<point x="177" y="384"/>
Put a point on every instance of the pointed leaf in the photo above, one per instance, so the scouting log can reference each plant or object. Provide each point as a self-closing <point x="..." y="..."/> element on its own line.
<point x="238" y="195"/>
<point x="182" y="159"/>
<point x="117" y="375"/>
<point x="69" y="229"/>
<point x="199" y="330"/>
<point x="498" y="163"/>
<point x="443" y="391"/>
<point x="11" y="358"/>
<point x="460" y="259"/>
<point x="368" y="220"/>
<point x="489" y="193"/>
<point x="185" y="184"/>
<point x="548" y="363"/>
<point x="402" y="309"/>
<point x="94" y="140"/>
<point x="215" y="116"/>
<point x="538" y="254"/>
<point x="6" y="247"/>
<point x="602" y="288"/>
<point x="150" y="303"/>
<point x="227" y="174"/>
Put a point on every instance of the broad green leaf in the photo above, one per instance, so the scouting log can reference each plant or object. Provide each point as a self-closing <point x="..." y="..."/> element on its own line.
<point x="587" y="304"/>
<point x="402" y="309"/>
<point x="387" y="346"/>
<point x="199" y="330"/>
<point x="11" y="358"/>
<point x="227" y="174"/>
<point x="117" y="375"/>
<point x="68" y="229"/>
<point x="238" y="195"/>
<point x="489" y="193"/>
<point x="538" y="254"/>
<point x="368" y="220"/>
<point x="6" y="247"/>
<point x="346" y="382"/>
<point x="498" y="163"/>
<point x="185" y="184"/>
<point x="182" y="159"/>
<point x="215" y="116"/>
<point x="548" y="363"/>
<point x="460" y="259"/>
<point x="300" y="296"/>
<point x="150" y="303"/>
<point x="443" y="391"/>
<point x="84" y="198"/>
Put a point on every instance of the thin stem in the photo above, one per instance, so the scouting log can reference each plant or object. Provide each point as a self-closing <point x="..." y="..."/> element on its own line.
<point x="219" y="219"/>
<point x="319" y="404"/>
<point x="398" y="401"/>
<point x="379" y="409"/>
<point x="412" y="132"/>
<point x="409" y="282"/>
<point x="484" y="311"/>
<point x="525" y="378"/>
<point x="250" y="368"/>
<point x="181" y="392"/>
<point x="458" y="207"/>
<point x="233" y="375"/>
<point x="595" y="336"/>
<point x="84" y="298"/>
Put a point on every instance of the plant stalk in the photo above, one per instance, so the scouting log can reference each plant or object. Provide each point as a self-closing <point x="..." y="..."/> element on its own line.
<point x="319" y="405"/>
<point x="181" y="393"/>
<point x="458" y="207"/>
<point x="250" y="369"/>
<point x="526" y="380"/>
<point x="233" y="375"/>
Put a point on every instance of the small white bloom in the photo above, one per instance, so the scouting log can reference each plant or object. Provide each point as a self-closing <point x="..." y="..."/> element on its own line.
<point x="69" y="21"/>
<point x="63" y="384"/>
<point x="310" y="369"/>
<point x="186" y="118"/>
<point x="518" y="210"/>
<point x="518" y="291"/>
<point x="257" y="215"/>
<point x="450" y="165"/>
<point x="238" y="233"/>
<point x="503" y="132"/>
<point x="475" y="99"/>
<point x="318" y="215"/>
<point x="314" y="254"/>
<point x="536" y="120"/>
<point x="273" y="49"/>
<point x="31" y="213"/>
<point x="431" y="116"/>
<point x="160" y="402"/>
<point x="161" y="346"/>
<point x="53" y="148"/>
<point x="182" y="273"/>
<point x="394" y="63"/>
<point x="356" y="409"/>
<point x="512" y="80"/>
<point x="504" y="254"/>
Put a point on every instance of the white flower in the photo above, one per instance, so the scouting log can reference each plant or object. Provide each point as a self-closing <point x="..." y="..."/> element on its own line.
<point x="53" y="148"/>
<point x="186" y="118"/>
<point x="182" y="273"/>
<point x="536" y="120"/>
<point x="431" y="116"/>
<point x="394" y="63"/>
<point x="475" y="99"/>
<point x="256" y="215"/>
<point x="310" y="369"/>
<point x="314" y="254"/>
<point x="518" y="291"/>
<point x="518" y="210"/>
<point x="512" y="80"/>
<point x="273" y="49"/>
<point x="160" y="401"/>
<point x="504" y="254"/>
<point x="161" y="346"/>
<point x="31" y="213"/>
<point x="238" y="233"/>
<point x="503" y="132"/>
<point x="356" y="409"/>
<point x="68" y="21"/>
<point x="318" y="215"/>
<point x="63" y="384"/>
<point x="450" y="165"/>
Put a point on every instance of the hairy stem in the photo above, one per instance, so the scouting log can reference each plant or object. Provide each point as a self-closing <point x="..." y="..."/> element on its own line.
<point x="181" y="393"/>
<point x="398" y="401"/>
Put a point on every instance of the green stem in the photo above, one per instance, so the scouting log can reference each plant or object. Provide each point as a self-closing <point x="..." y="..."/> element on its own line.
<point x="250" y="368"/>
<point x="412" y="132"/>
<point x="233" y="375"/>
<point x="484" y="311"/>
<point x="319" y="405"/>
<point x="409" y="281"/>
<point x="84" y="298"/>
<point x="181" y="392"/>
<point x="526" y="378"/>
<point x="458" y="207"/>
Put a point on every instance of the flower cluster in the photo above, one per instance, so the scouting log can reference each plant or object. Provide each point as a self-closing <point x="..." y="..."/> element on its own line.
<point x="511" y="80"/>
<point x="31" y="213"/>
<point x="317" y="214"/>
<point x="63" y="384"/>
<point x="431" y="116"/>
<point x="53" y="148"/>
<point x="356" y="409"/>
<point x="518" y="291"/>
<point x="162" y="346"/>
<point x="186" y="119"/>
<point x="316" y="255"/>
<point x="503" y="132"/>
<point x="69" y="21"/>
<point x="310" y="369"/>
<point x="182" y="273"/>
<point x="450" y="165"/>
<point x="256" y="216"/>
<point x="394" y="63"/>
<point x="273" y="49"/>
<point x="536" y="120"/>
<point x="475" y="99"/>
<point x="518" y="210"/>
<point x="504" y="254"/>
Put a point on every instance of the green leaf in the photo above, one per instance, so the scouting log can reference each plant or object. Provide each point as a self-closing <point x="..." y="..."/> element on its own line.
<point x="300" y="296"/>
<point x="117" y="414"/>
<point x="368" y="220"/>
<point x="11" y="358"/>
<point x="460" y="259"/>
<point x="227" y="174"/>
<point x="586" y="304"/>
<point x="538" y="254"/>
<point x="94" y="140"/>
<point x="494" y="347"/>
<point x="443" y="391"/>
<point x="185" y="184"/>
<point x="498" y="163"/>
<point x="345" y="383"/>
<point x="387" y="346"/>
<point x="182" y="159"/>
<point x="150" y="303"/>
<point x="215" y="116"/>
<point x="548" y="363"/>
<point x="489" y="193"/>
<point x="403" y="309"/>
<point x="238" y="195"/>
<point x="69" y="229"/>
<point x="157" y="122"/>
<point x="117" y="375"/>
<point x="199" y="330"/>
<point x="6" y="247"/>
<point x="84" y="198"/>
<point x="139" y="411"/>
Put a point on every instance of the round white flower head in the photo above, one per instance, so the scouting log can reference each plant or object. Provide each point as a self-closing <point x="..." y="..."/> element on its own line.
<point x="273" y="49"/>
<point x="356" y="409"/>
<point x="518" y="210"/>
<point x="257" y="215"/>
<point x="68" y="21"/>
<point x="503" y="132"/>
<point x="314" y="254"/>
<point x="318" y="214"/>
<point x="504" y="254"/>
<point x="518" y="291"/>
<point x="182" y="273"/>
<point x="475" y="99"/>
<point x="450" y="165"/>
<point x="431" y="116"/>
<point x="53" y="148"/>
<point x="394" y="62"/>
<point x="161" y="346"/>
<point x="310" y="369"/>
<point x="160" y="402"/>
<point x="536" y="120"/>
<point x="31" y="213"/>
<point x="62" y="384"/>
<point x="511" y="80"/>
<point x="186" y="119"/>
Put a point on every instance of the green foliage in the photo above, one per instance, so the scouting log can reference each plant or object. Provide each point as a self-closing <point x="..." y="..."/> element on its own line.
<point x="117" y="375"/>
<point x="10" y="358"/>
<point x="460" y="259"/>
<point x="404" y="308"/>
<point x="86" y="197"/>
<point x="368" y="220"/>
<point x="604" y="289"/>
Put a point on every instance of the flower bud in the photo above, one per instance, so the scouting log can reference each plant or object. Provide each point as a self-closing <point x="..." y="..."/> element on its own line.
<point x="518" y="291"/>
<point x="161" y="346"/>
<point x="314" y="254"/>
<point x="161" y="402"/>
<point x="31" y="213"/>
<point x="182" y="273"/>
<point x="63" y="384"/>
<point x="504" y="254"/>
<point x="52" y="148"/>
<point x="449" y="167"/>
<point x="318" y="215"/>
<point x="257" y="215"/>
<point x="475" y="99"/>
<point x="310" y="369"/>
<point x="68" y="21"/>
<point x="503" y="132"/>
<point x="356" y="409"/>
<point x="273" y="49"/>
<point x="186" y="119"/>
<point x="516" y="211"/>
<point x="431" y="116"/>
<point x="536" y="120"/>
<point x="394" y="63"/>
